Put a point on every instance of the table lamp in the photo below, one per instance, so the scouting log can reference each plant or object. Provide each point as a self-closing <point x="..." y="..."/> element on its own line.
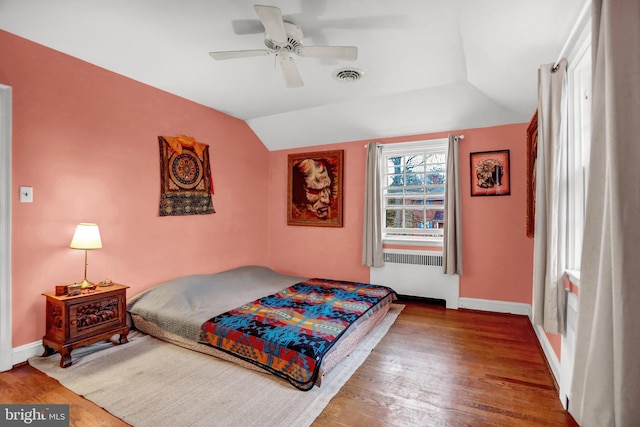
<point x="87" y="237"/>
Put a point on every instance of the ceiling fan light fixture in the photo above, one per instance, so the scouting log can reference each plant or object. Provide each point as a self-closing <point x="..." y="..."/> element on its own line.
<point x="348" y="74"/>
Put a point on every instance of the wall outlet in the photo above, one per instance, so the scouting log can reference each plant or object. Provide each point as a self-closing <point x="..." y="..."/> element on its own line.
<point x="26" y="194"/>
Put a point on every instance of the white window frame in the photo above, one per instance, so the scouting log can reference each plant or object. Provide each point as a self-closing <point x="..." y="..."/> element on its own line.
<point x="408" y="148"/>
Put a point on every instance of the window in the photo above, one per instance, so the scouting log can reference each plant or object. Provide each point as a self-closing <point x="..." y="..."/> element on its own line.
<point x="579" y="137"/>
<point x="413" y="186"/>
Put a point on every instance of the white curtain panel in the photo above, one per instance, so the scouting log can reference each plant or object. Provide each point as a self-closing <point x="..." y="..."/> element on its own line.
<point x="372" y="224"/>
<point x="452" y="245"/>
<point x="606" y="378"/>
<point x="549" y="297"/>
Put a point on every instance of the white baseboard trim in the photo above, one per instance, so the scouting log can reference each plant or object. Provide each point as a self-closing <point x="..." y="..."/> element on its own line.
<point x="549" y="353"/>
<point x="495" y="306"/>
<point x="24" y="352"/>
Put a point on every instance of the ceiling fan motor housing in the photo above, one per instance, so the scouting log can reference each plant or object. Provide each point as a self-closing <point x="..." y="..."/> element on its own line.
<point x="294" y="37"/>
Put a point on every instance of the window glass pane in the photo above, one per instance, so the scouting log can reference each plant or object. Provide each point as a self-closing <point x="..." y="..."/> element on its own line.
<point x="415" y="168"/>
<point x="395" y="164"/>
<point x="414" y="179"/>
<point x="415" y="201"/>
<point x="435" y="202"/>
<point x="415" y="190"/>
<point x="434" y="218"/>
<point x="394" y="201"/>
<point x="435" y="178"/>
<point x="395" y="180"/>
<point x="394" y="218"/>
<point x="415" y="163"/>
<point x="435" y="189"/>
<point x="436" y="158"/>
<point x="434" y="214"/>
<point x="414" y="218"/>
<point x="436" y="167"/>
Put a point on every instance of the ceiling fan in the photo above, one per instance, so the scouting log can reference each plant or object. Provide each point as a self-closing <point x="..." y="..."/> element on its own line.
<point x="284" y="39"/>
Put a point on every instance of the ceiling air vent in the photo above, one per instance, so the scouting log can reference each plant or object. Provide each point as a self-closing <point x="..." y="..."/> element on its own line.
<point x="349" y="74"/>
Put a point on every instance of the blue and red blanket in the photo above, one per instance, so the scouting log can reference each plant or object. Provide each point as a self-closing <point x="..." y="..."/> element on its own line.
<point x="288" y="333"/>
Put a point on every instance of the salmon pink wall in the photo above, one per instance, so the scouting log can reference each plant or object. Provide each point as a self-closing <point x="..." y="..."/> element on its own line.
<point x="497" y="254"/>
<point x="85" y="139"/>
<point x="326" y="252"/>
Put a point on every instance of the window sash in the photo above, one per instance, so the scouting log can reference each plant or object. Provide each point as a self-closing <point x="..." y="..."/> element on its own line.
<point x="413" y="187"/>
<point x="579" y="126"/>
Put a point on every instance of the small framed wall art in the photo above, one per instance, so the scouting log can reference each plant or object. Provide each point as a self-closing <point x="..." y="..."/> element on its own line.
<point x="490" y="173"/>
<point x="315" y="189"/>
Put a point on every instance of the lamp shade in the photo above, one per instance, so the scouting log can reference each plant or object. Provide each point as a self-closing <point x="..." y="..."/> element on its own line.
<point x="87" y="236"/>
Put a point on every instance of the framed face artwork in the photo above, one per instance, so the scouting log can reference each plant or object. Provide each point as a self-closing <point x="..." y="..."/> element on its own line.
<point x="490" y="173"/>
<point x="314" y="195"/>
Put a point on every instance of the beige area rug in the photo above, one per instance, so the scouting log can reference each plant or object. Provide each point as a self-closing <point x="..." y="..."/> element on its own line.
<point x="149" y="382"/>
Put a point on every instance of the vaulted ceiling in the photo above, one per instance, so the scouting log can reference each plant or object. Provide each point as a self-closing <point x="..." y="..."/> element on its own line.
<point x="427" y="65"/>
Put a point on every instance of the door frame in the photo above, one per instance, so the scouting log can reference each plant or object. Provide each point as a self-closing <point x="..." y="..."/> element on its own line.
<point x="6" y="351"/>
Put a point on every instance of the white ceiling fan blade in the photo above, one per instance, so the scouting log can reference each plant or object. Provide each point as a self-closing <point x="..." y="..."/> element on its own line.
<point x="337" y="52"/>
<point x="290" y="70"/>
<point x="271" y="18"/>
<point x="232" y="54"/>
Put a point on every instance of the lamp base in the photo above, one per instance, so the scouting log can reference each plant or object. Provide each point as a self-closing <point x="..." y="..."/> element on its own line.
<point x="85" y="284"/>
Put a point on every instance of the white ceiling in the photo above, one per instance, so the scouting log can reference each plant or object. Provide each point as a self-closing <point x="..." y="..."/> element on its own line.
<point x="430" y="65"/>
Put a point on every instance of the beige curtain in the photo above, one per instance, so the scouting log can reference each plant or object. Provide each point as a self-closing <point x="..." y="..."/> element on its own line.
<point x="606" y="379"/>
<point x="549" y="243"/>
<point x="452" y="245"/>
<point x="372" y="224"/>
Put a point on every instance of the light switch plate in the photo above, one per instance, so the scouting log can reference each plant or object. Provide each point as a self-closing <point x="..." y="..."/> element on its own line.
<point x="26" y="194"/>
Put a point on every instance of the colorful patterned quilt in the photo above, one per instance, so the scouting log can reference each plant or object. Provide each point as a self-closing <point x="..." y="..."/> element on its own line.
<point x="288" y="333"/>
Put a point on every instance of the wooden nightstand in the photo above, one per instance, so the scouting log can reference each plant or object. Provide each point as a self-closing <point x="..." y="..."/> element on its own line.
<point x="79" y="320"/>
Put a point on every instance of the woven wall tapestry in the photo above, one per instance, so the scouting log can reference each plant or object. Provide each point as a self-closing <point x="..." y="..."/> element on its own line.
<point x="185" y="177"/>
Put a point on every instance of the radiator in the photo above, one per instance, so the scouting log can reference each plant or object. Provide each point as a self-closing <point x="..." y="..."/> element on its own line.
<point x="417" y="273"/>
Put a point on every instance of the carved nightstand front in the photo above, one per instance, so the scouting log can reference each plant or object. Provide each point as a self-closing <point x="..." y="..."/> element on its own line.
<point x="76" y="321"/>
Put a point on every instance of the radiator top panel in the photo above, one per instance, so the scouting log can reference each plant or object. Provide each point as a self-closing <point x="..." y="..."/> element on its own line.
<point x="412" y="258"/>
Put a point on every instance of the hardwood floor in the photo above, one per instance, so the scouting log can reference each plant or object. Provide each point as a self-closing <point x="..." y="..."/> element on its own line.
<point x="439" y="367"/>
<point x="435" y="367"/>
<point x="24" y="384"/>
